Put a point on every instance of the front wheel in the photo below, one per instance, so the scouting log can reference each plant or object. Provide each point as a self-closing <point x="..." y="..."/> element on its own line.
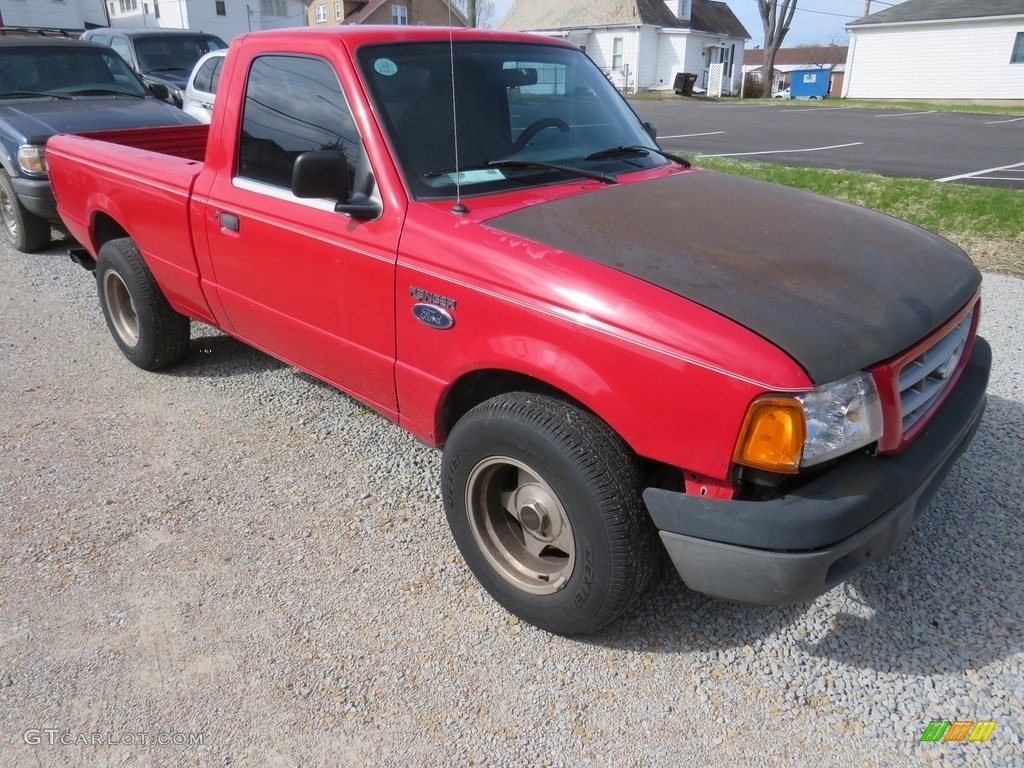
<point x="145" y="326"/>
<point x="543" y="501"/>
<point x="24" y="230"/>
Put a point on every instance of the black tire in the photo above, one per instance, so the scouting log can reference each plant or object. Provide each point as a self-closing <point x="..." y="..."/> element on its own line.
<point x="517" y="471"/>
<point x="24" y="230"/>
<point x="147" y="330"/>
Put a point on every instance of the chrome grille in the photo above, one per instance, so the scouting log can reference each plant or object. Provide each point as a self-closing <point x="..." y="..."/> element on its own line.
<point x="923" y="380"/>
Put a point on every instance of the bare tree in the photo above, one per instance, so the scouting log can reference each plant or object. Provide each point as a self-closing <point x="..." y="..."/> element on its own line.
<point x="776" y="18"/>
<point x="486" y="14"/>
<point x="479" y="13"/>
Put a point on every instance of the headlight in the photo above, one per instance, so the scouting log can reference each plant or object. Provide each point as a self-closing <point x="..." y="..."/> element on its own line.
<point x="32" y="159"/>
<point x="841" y="417"/>
<point x="782" y="434"/>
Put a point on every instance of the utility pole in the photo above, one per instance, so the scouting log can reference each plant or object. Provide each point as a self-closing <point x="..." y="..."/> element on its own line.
<point x="867" y="7"/>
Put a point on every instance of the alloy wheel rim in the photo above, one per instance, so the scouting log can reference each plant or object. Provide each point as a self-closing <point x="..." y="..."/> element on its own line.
<point x="520" y="525"/>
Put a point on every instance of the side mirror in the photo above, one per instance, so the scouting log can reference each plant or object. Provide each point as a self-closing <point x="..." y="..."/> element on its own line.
<point x="160" y="91"/>
<point x="324" y="174"/>
<point x="651" y="129"/>
<point x="321" y="174"/>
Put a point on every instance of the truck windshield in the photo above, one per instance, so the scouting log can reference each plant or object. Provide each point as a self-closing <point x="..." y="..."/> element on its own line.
<point x="174" y="52"/>
<point x="66" y="71"/>
<point x="547" y="107"/>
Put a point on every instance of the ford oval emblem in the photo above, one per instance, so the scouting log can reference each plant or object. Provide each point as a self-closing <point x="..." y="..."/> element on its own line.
<point x="433" y="317"/>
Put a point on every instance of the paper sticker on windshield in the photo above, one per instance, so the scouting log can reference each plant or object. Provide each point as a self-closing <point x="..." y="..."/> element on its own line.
<point x="385" y="67"/>
<point x="477" y="177"/>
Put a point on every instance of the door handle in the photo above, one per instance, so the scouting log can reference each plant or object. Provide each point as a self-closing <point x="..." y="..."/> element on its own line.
<point x="228" y="221"/>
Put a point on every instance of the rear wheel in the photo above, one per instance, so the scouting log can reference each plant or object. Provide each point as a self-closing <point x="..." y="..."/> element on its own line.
<point x="543" y="500"/>
<point x="24" y="230"/>
<point x="144" y="326"/>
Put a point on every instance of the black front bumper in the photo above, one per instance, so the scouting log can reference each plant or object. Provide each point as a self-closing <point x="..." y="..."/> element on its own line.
<point x="797" y="547"/>
<point x="37" y="197"/>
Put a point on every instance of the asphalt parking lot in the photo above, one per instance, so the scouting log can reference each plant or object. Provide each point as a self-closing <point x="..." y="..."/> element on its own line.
<point x="942" y="146"/>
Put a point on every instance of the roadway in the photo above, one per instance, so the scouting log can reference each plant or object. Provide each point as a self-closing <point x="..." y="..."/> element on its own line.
<point x="926" y="144"/>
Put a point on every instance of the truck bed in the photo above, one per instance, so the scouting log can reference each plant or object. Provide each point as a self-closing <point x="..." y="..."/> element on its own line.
<point x="143" y="176"/>
<point x="185" y="141"/>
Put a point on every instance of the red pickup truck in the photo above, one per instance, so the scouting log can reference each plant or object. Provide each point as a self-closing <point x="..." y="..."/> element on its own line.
<point x="619" y="353"/>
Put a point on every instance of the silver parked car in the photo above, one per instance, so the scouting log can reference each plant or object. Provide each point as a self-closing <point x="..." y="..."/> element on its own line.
<point x="202" y="86"/>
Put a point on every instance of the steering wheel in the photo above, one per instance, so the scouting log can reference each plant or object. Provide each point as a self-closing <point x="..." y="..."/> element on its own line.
<point x="536" y="127"/>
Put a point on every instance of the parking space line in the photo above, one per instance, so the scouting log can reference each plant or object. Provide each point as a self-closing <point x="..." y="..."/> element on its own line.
<point x="691" y="135"/>
<point x="910" y="114"/>
<point x="788" y="151"/>
<point x="981" y="173"/>
<point x="801" y="110"/>
<point x="1000" y="122"/>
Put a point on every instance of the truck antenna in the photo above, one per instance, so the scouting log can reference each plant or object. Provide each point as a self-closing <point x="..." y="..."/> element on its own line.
<point x="458" y="208"/>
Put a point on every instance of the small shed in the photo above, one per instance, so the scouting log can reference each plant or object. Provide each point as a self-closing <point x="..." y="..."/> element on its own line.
<point x="809" y="83"/>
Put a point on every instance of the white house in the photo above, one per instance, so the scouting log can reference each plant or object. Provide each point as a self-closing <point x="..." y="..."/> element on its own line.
<point x="65" y="14"/>
<point x="224" y="18"/>
<point x="643" y="44"/>
<point x="938" y="49"/>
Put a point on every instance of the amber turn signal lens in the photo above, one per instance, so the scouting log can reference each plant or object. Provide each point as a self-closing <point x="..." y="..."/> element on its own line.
<point x="773" y="435"/>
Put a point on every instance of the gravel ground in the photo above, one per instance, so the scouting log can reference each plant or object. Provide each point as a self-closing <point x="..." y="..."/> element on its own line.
<point x="238" y="560"/>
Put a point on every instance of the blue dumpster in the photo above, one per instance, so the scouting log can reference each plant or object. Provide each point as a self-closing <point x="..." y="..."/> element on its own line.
<point x="810" y="83"/>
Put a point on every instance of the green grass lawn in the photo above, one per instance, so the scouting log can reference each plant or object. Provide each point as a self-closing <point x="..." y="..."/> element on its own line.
<point x="987" y="222"/>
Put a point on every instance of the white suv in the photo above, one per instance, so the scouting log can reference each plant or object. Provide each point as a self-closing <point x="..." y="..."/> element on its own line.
<point x="202" y="86"/>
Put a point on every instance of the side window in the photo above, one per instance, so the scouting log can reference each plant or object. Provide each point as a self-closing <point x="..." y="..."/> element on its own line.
<point x="218" y="65"/>
<point x="105" y="39"/>
<point x="293" y="104"/>
<point x="204" y="77"/>
<point x="120" y="45"/>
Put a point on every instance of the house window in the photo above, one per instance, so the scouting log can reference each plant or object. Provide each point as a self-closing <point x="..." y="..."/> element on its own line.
<point x="129" y="5"/>
<point x="221" y="9"/>
<point x="156" y="8"/>
<point x="617" y="54"/>
<point x="273" y="8"/>
<point x="112" y="12"/>
<point x="321" y="14"/>
<point x="337" y="11"/>
<point x="1017" y="57"/>
<point x="399" y="14"/>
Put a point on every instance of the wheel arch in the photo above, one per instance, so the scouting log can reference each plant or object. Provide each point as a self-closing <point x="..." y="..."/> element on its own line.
<point x="102" y="230"/>
<point x="476" y="387"/>
<point x="105" y="228"/>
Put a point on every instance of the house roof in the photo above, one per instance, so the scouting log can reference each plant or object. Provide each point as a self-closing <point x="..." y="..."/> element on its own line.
<point x="941" y="10"/>
<point x="799" y="56"/>
<point x="359" y="15"/>
<point x="709" y="16"/>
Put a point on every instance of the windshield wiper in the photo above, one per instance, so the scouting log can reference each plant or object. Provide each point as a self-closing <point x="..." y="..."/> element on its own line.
<point x="36" y="94"/>
<point x="636" y="149"/>
<point x="104" y="92"/>
<point x="604" y="178"/>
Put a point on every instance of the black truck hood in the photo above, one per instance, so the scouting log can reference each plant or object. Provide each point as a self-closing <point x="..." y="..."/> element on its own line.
<point x="836" y="286"/>
<point x="38" y="119"/>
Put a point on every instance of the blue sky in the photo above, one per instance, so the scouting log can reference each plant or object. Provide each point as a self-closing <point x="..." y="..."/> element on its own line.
<point x="816" y="21"/>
